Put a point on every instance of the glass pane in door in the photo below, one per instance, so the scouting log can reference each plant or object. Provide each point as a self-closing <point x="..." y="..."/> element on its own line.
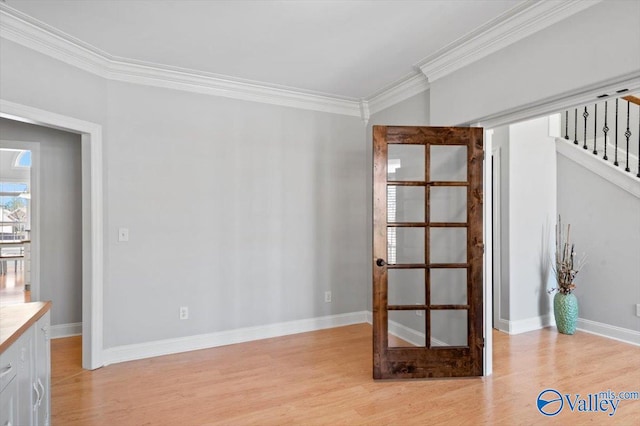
<point x="448" y="245"/>
<point x="448" y="163"/>
<point x="449" y="327"/>
<point x="405" y="286"/>
<point x="405" y="245"/>
<point x="405" y="204"/>
<point x="405" y="163"/>
<point x="449" y="286"/>
<point x="448" y="204"/>
<point x="406" y="329"/>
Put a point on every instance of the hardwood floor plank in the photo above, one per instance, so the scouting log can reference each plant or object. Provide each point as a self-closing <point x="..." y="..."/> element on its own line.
<point x="325" y="377"/>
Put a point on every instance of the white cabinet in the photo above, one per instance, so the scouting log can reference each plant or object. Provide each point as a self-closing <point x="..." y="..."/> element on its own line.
<point x="25" y="349"/>
<point x="9" y="404"/>
<point x="42" y="376"/>
<point x="8" y="387"/>
<point x="25" y="386"/>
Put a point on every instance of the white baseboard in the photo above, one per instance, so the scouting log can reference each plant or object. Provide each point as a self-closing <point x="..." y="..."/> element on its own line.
<point x="612" y="332"/>
<point x="369" y="317"/>
<point x="407" y="334"/>
<point x="66" y="330"/>
<point x="223" y="338"/>
<point x="502" y="325"/>
<point x="410" y="335"/>
<point x="525" y="325"/>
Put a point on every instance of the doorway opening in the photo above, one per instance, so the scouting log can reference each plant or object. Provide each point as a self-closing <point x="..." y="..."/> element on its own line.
<point x="15" y="224"/>
<point x="92" y="218"/>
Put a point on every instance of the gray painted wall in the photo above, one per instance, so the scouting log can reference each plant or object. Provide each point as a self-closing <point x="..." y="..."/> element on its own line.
<point x="60" y="216"/>
<point x="246" y="213"/>
<point x="605" y="224"/>
<point x="501" y="145"/>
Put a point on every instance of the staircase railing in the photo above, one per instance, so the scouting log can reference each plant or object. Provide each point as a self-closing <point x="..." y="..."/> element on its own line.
<point x="610" y="129"/>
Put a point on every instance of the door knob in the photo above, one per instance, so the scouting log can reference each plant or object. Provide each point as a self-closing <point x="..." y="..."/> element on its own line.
<point x="380" y="262"/>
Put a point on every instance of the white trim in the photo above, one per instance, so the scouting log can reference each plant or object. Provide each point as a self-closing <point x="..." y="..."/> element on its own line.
<point x="526" y="325"/>
<point x="229" y="87"/>
<point x="496" y="239"/>
<point x="616" y="175"/>
<point x="502" y="325"/>
<point x="34" y="34"/>
<point x="571" y="99"/>
<point x="365" y="114"/>
<point x="610" y="331"/>
<point x="368" y="317"/>
<point x="487" y="271"/>
<point x="66" y="330"/>
<point x="92" y="220"/>
<point x="398" y="92"/>
<point x="508" y="28"/>
<point x="228" y="337"/>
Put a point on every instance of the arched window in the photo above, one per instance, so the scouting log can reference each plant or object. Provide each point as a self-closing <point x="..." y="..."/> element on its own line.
<point x="23" y="159"/>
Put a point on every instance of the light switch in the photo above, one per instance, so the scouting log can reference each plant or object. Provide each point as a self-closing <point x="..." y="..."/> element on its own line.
<point x="123" y="234"/>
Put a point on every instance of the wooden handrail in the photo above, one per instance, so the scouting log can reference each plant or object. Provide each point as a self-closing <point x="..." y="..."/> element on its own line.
<point x="632" y="99"/>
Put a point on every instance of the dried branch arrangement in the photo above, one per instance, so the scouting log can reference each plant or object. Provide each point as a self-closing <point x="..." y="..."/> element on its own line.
<point x="566" y="267"/>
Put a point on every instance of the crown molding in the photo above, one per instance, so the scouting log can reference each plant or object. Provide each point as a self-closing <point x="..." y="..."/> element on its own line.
<point x="597" y="92"/>
<point x="508" y="28"/>
<point x="31" y="33"/>
<point x="398" y="92"/>
<point x="519" y="22"/>
<point x="364" y="111"/>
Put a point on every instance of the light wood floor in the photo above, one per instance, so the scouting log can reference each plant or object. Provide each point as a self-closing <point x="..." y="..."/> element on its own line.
<point x="12" y="285"/>
<point x="324" y="377"/>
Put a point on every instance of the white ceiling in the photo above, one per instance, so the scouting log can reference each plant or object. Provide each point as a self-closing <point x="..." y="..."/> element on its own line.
<point x="349" y="49"/>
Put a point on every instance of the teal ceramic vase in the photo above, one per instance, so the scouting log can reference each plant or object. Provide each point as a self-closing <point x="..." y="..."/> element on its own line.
<point x="565" y="310"/>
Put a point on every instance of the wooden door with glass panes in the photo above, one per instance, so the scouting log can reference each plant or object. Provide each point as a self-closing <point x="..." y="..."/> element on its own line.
<point x="428" y="252"/>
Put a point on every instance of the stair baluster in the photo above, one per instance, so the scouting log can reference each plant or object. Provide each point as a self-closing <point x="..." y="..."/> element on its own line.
<point x="605" y="130"/>
<point x="627" y="135"/>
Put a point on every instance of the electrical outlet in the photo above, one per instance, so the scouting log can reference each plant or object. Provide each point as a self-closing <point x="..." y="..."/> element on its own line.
<point x="638" y="310"/>
<point x="123" y="234"/>
<point x="327" y="297"/>
<point x="184" y="312"/>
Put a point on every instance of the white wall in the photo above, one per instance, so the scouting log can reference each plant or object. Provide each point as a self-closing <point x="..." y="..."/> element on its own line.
<point x="244" y="212"/>
<point x="60" y="233"/>
<point x="527" y="224"/>
<point x="605" y="225"/>
<point x="596" y="44"/>
<point x="532" y="218"/>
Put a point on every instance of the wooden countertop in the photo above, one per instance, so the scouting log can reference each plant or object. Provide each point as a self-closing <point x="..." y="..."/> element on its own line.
<point x="16" y="319"/>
